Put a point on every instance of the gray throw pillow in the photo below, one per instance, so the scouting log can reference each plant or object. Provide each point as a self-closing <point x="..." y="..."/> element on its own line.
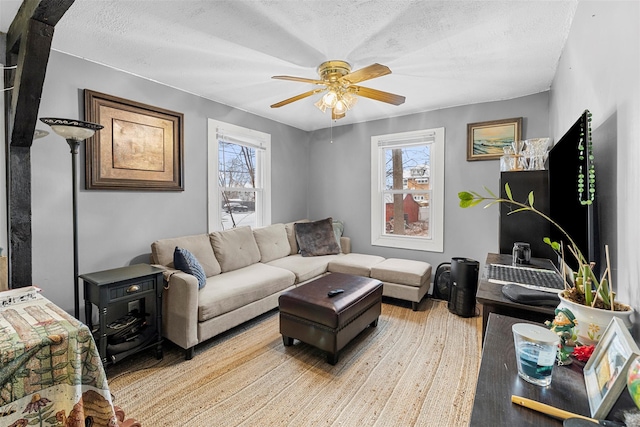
<point x="316" y="238"/>
<point x="185" y="261"/>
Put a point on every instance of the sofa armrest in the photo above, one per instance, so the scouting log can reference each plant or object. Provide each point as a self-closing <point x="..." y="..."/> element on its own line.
<point x="345" y="244"/>
<point x="180" y="309"/>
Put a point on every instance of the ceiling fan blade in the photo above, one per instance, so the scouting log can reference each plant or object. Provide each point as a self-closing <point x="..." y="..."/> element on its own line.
<point x="296" y="98"/>
<point x="299" y="79"/>
<point x="378" y="95"/>
<point x="366" y="73"/>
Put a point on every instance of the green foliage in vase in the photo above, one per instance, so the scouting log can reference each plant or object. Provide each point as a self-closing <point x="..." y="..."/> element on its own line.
<point x="585" y="283"/>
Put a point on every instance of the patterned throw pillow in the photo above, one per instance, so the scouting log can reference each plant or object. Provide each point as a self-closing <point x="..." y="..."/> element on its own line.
<point x="187" y="262"/>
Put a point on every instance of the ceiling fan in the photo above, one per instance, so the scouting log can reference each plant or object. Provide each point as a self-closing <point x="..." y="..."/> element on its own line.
<point x="341" y="89"/>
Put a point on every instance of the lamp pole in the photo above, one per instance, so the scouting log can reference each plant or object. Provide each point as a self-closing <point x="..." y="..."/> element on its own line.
<point x="73" y="145"/>
<point x="74" y="132"/>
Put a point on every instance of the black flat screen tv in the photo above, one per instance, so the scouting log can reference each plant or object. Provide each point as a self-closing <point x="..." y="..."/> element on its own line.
<point x="572" y="208"/>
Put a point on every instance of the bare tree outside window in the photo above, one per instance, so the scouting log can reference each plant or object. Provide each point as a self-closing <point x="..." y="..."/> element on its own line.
<point x="407" y="190"/>
<point x="237" y="180"/>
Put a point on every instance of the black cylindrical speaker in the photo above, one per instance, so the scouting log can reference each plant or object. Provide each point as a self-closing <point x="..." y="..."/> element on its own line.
<point x="464" y="285"/>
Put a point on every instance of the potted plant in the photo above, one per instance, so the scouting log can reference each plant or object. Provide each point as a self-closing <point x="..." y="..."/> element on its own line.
<point x="589" y="298"/>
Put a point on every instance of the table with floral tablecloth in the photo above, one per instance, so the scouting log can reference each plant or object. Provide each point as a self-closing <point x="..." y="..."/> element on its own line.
<point x="50" y="368"/>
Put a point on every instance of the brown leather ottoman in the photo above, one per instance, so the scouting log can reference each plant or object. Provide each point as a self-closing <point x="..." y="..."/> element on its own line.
<point x="308" y="314"/>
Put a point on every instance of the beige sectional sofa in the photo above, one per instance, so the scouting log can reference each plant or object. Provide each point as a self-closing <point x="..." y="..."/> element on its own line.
<point x="247" y="270"/>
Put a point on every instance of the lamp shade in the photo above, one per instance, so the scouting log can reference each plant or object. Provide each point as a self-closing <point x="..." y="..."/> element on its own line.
<point x="38" y="133"/>
<point x="76" y="130"/>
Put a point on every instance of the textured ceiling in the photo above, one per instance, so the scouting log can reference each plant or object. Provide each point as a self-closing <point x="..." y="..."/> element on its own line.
<point x="441" y="53"/>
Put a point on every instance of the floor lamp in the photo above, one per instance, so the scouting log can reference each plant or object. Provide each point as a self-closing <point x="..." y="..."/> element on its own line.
<point x="74" y="131"/>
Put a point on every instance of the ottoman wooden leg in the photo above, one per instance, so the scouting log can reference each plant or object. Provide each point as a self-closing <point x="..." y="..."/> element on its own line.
<point x="332" y="358"/>
<point x="287" y="341"/>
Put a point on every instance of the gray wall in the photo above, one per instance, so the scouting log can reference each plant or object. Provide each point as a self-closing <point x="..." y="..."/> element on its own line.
<point x="600" y="70"/>
<point x="340" y="175"/>
<point x="116" y="228"/>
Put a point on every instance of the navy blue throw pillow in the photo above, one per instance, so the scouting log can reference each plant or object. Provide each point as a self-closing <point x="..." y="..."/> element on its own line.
<point x="187" y="262"/>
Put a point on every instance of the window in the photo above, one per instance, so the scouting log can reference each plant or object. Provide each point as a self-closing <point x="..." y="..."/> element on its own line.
<point x="239" y="176"/>
<point x="407" y="190"/>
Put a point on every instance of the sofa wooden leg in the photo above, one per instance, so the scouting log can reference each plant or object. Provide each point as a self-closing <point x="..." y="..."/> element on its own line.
<point x="414" y="306"/>
<point x="189" y="353"/>
<point x="287" y="341"/>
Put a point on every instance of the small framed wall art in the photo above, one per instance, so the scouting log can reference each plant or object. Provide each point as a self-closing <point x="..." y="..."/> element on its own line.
<point x="139" y="148"/>
<point x="605" y="374"/>
<point x="486" y="140"/>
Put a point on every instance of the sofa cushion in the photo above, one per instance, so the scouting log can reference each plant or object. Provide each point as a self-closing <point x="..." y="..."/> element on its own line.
<point x="199" y="245"/>
<point x="229" y="291"/>
<point x="235" y="248"/>
<point x="305" y="268"/>
<point x="272" y="242"/>
<point x="356" y="264"/>
<point x="291" y="235"/>
<point x="185" y="261"/>
<point x="402" y="271"/>
<point x="316" y="238"/>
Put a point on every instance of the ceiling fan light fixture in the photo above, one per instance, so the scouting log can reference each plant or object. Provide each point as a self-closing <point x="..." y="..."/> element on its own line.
<point x="349" y="99"/>
<point x="330" y="98"/>
<point x="340" y="108"/>
<point x="321" y="105"/>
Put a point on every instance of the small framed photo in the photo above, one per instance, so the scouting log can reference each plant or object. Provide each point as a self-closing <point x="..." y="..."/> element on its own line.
<point x="605" y="374"/>
<point x="486" y="140"/>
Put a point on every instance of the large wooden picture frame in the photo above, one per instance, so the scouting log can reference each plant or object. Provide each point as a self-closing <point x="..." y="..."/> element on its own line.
<point x="140" y="147"/>
<point x="485" y="140"/>
<point x="605" y="374"/>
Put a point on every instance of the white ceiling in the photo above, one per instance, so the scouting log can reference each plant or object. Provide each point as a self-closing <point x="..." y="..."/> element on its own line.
<point x="441" y="53"/>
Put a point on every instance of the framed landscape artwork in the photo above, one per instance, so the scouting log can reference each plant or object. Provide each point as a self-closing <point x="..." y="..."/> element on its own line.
<point x="486" y="140"/>
<point x="139" y="148"/>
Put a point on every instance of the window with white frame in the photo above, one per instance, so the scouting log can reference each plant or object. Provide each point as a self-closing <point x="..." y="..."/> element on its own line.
<point x="239" y="176"/>
<point x="407" y="190"/>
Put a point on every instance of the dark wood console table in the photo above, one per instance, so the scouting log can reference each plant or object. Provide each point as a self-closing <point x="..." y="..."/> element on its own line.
<point x="490" y="296"/>
<point x="498" y="380"/>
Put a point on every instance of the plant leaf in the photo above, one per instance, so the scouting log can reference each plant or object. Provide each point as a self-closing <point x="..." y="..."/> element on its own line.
<point x="490" y="193"/>
<point x="518" y="210"/>
<point x="465" y="195"/>
<point x="554" y="245"/>
<point x="531" y="199"/>
<point x="494" y="202"/>
<point x="507" y="190"/>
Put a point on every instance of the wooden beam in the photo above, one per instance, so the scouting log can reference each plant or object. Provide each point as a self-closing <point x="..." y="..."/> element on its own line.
<point x="19" y="199"/>
<point x="46" y="11"/>
<point x="29" y="44"/>
<point x="28" y="81"/>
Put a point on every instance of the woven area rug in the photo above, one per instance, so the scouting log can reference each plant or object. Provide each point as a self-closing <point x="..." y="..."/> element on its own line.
<point x="415" y="368"/>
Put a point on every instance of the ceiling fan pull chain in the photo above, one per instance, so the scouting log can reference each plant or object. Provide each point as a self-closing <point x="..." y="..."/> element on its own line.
<point x="331" y="130"/>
